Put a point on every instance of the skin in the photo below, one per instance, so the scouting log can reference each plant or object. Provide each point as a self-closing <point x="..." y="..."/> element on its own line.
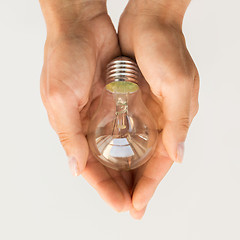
<point x="81" y="40"/>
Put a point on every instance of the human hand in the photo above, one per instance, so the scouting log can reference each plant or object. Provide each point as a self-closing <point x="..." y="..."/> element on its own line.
<point x="150" y="32"/>
<point x="81" y="40"/>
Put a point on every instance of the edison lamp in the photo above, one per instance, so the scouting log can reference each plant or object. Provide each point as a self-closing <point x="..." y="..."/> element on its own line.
<point x="122" y="134"/>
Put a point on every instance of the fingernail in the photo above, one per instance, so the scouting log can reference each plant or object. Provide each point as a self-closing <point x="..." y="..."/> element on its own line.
<point x="180" y="152"/>
<point x="73" y="165"/>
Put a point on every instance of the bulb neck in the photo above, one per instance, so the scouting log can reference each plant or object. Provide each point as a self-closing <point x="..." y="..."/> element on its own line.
<point x="122" y="69"/>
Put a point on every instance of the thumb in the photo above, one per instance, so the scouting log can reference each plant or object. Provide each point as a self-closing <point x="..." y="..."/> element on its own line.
<point x="63" y="112"/>
<point x="176" y="110"/>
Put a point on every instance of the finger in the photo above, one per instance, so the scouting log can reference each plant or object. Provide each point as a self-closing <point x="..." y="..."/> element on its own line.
<point x="122" y="182"/>
<point x="98" y="177"/>
<point x="169" y="70"/>
<point x="63" y="112"/>
<point x="137" y="214"/>
<point x="180" y="105"/>
<point x="128" y="179"/>
<point x="154" y="171"/>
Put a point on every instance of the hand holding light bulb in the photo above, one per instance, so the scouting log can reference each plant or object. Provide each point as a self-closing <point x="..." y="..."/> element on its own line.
<point x="151" y="32"/>
<point x="77" y="50"/>
<point x="75" y="56"/>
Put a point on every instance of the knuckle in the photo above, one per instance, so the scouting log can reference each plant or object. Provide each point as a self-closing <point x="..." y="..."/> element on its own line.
<point x="68" y="137"/>
<point x="64" y="139"/>
<point x="157" y="91"/>
<point x="180" y="124"/>
<point x="83" y="100"/>
<point x="49" y="91"/>
<point x="184" y="124"/>
<point x="52" y="89"/>
<point x="183" y="80"/>
<point x="178" y="82"/>
<point x="53" y="93"/>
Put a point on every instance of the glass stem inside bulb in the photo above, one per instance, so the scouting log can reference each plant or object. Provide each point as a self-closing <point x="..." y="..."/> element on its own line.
<point x="121" y="121"/>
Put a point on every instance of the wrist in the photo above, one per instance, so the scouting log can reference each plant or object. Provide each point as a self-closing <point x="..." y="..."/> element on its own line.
<point x="167" y="11"/>
<point x="66" y="16"/>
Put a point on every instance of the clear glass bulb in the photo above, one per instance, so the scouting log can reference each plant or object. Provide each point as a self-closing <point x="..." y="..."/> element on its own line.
<point x="122" y="134"/>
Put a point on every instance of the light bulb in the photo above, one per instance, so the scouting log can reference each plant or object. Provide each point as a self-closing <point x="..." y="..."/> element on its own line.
<point x="122" y="134"/>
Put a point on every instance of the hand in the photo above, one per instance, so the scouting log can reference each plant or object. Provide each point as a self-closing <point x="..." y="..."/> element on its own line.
<point x="152" y="34"/>
<point x="77" y="49"/>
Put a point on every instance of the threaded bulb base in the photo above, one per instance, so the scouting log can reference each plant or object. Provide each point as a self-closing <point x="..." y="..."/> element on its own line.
<point x="122" y="69"/>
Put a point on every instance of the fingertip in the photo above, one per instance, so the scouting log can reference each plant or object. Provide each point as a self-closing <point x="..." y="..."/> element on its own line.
<point x="74" y="166"/>
<point x="112" y="195"/>
<point x="118" y="205"/>
<point x="143" y="192"/>
<point x="180" y="152"/>
<point x="77" y="152"/>
<point x="127" y="205"/>
<point x="138" y="205"/>
<point x="137" y="214"/>
<point x="173" y="143"/>
<point x="82" y="162"/>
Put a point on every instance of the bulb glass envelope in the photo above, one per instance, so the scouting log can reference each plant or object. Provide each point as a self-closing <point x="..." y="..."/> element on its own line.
<point x="122" y="134"/>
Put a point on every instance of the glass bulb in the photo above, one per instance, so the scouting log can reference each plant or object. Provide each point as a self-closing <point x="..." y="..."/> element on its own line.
<point x="122" y="134"/>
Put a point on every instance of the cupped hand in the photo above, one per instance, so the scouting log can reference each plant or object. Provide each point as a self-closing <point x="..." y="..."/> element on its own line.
<point x="71" y="81"/>
<point x="170" y="90"/>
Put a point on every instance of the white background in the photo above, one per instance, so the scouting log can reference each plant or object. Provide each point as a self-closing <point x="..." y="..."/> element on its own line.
<point x="197" y="200"/>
